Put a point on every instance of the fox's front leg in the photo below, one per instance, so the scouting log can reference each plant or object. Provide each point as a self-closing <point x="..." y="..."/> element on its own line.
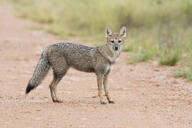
<point x="100" y="78"/>
<point x="107" y="90"/>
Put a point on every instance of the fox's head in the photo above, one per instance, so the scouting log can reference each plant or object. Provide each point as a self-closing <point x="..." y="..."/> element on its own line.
<point x="115" y="41"/>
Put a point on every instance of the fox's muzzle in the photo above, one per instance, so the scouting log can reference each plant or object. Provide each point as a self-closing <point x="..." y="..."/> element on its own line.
<point x="116" y="48"/>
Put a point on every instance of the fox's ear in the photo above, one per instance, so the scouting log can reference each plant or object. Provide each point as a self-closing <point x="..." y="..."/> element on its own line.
<point x="123" y="31"/>
<point x="108" y="32"/>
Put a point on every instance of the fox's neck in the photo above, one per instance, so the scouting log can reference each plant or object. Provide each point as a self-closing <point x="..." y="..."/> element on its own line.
<point x="109" y="54"/>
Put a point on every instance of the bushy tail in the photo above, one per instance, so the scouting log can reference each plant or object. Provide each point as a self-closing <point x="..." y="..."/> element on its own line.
<point x="39" y="74"/>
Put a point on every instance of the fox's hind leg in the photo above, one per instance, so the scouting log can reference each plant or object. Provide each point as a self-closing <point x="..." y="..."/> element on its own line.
<point x="53" y="89"/>
<point x="53" y="86"/>
<point x="60" y="67"/>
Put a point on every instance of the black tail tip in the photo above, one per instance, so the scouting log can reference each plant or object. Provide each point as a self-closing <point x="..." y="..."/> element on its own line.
<point x="29" y="88"/>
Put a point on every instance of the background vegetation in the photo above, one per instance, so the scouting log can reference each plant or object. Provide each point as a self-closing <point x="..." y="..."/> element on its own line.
<point x="157" y="29"/>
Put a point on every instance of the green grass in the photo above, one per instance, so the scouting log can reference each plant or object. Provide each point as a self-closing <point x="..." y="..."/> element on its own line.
<point x="87" y="18"/>
<point x="157" y="29"/>
<point x="185" y="72"/>
<point x="170" y="57"/>
<point x="140" y="57"/>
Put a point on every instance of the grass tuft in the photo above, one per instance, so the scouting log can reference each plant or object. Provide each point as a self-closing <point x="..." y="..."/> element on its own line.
<point x="170" y="58"/>
<point x="140" y="57"/>
<point x="185" y="73"/>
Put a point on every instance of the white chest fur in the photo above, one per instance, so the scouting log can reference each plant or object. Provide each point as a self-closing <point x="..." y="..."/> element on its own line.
<point x="109" y="67"/>
<point x="114" y="57"/>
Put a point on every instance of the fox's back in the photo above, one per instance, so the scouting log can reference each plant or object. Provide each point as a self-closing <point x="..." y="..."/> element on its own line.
<point x="78" y="56"/>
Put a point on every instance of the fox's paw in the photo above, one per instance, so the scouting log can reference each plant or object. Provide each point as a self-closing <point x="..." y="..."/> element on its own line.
<point x="102" y="102"/>
<point x="57" y="101"/>
<point x="111" y="102"/>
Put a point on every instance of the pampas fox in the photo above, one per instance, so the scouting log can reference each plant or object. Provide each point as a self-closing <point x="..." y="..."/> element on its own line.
<point x="61" y="56"/>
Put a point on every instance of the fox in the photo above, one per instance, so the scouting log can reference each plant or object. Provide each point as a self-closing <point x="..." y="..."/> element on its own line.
<point x="64" y="55"/>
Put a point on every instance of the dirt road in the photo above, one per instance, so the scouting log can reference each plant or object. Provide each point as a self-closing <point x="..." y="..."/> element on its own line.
<point x="146" y="95"/>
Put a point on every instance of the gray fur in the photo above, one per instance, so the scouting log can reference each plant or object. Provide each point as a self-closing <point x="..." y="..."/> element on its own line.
<point x="83" y="58"/>
<point x="40" y="72"/>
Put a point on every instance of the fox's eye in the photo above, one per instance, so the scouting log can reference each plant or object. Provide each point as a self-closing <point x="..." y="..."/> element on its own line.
<point x="112" y="41"/>
<point x="119" y="41"/>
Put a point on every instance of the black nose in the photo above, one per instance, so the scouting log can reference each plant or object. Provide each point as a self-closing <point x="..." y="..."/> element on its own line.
<point x="116" y="48"/>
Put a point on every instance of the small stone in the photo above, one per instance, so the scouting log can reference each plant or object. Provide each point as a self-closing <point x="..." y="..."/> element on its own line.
<point x="157" y="85"/>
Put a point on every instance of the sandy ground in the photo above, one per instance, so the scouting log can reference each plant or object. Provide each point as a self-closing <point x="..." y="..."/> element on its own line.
<point x="146" y="95"/>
